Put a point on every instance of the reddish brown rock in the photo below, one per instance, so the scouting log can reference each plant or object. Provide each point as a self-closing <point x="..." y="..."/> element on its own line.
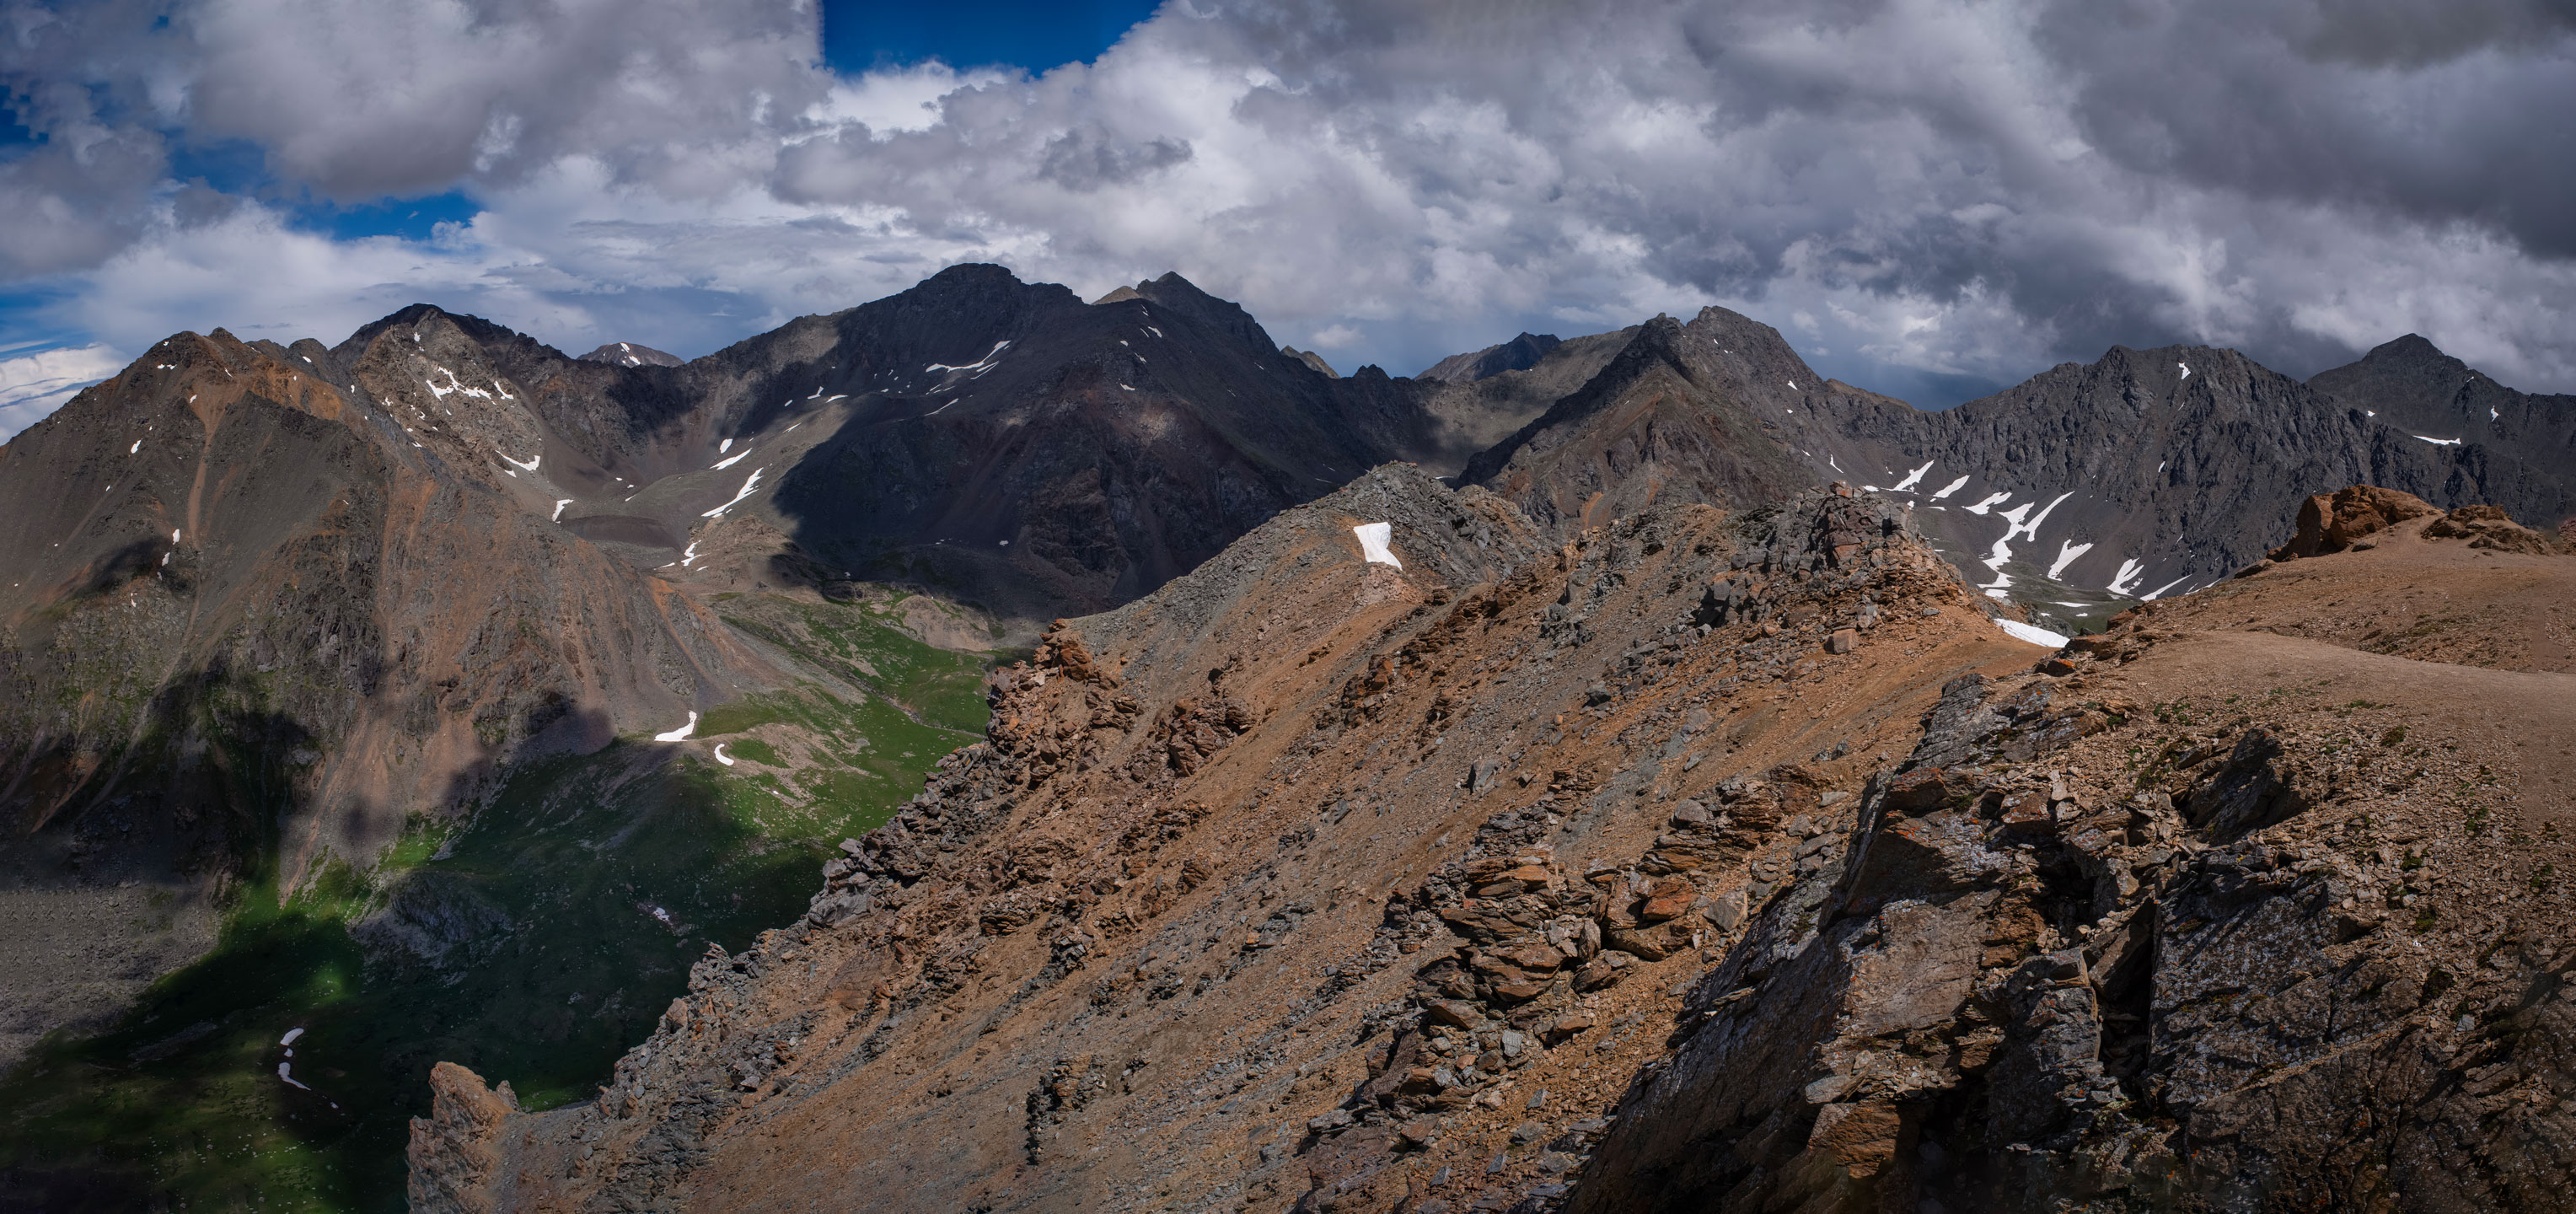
<point x="2331" y="522"/>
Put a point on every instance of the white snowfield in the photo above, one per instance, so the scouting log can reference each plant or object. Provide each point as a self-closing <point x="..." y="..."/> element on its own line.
<point x="722" y="757"/>
<point x="729" y="460"/>
<point x="2127" y="579"/>
<point x="1914" y="477"/>
<point x="744" y="492"/>
<point x="2032" y="633"/>
<point x="1952" y="487"/>
<point x="559" y="505"/>
<point x="529" y="466"/>
<point x="2067" y="551"/>
<point x="682" y="733"/>
<point x="1373" y="543"/>
<point x="2438" y="442"/>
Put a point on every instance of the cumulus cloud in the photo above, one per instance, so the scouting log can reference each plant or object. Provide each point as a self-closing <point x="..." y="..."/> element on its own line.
<point x="33" y="385"/>
<point x="1941" y="193"/>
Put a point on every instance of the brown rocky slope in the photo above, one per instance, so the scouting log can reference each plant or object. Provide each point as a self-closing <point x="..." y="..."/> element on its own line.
<point x="1705" y="861"/>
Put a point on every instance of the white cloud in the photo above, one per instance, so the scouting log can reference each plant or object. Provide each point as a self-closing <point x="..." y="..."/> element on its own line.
<point x="33" y="385"/>
<point x="1959" y="188"/>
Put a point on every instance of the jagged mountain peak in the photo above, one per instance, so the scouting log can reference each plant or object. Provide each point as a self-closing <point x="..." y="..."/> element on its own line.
<point x="1519" y="354"/>
<point x="629" y="354"/>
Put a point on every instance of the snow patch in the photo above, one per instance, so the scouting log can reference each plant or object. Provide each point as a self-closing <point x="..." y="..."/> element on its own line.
<point x="2152" y="595"/>
<point x="2126" y="580"/>
<point x="283" y="1070"/>
<point x="747" y="485"/>
<point x="981" y="364"/>
<point x="2186" y="369"/>
<point x="2438" y="442"/>
<point x="558" y="514"/>
<point x="2067" y="551"/>
<point x="1912" y="477"/>
<point x="736" y="458"/>
<point x="722" y="447"/>
<point x="529" y="466"/>
<point x="1996" y="500"/>
<point x="681" y="733"/>
<point x="1373" y="543"/>
<point x="2033" y="634"/>
<point x="138" y="446"/>
<point x="722" y="757"/>
<point x="1952" y="487"/>
<point x="2031" y="529"/>
<point x="291" y="1035"/>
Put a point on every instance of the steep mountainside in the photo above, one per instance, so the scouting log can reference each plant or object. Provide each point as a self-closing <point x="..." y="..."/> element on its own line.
<point x="1662" y="423"/>
<point x="628" y="354"/>
<point x="1707" y="861"/>
<point x="2082" y="490"/>
<point x="1479" y="407"/>
<point x="281" y="580"/>
<point x="351" y="681"/>
<point x="311" y="696"/>
<point x="1519" y="354"/>
<point x="1001" y="441"/>
<point x="2516" y="449"/>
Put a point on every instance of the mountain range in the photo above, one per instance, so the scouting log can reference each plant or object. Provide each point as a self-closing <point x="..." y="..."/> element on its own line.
<point x="384" y="690"/>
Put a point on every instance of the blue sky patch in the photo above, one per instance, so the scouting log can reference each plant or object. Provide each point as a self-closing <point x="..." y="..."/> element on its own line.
<point x="863" y="34"/>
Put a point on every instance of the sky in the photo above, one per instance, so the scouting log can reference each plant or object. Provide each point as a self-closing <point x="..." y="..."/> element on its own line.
<point x="1930" y="198"/>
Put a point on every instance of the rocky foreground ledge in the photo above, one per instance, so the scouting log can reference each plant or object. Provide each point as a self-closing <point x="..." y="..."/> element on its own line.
<point x="1702" y="862"/>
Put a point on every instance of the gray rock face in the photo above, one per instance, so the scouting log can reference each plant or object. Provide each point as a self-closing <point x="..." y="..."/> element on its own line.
<point x="2145" y="473"/>
<point x="2506" y="448"/>
<point x="1664" y="423"/>
<point x="628" y="354"/>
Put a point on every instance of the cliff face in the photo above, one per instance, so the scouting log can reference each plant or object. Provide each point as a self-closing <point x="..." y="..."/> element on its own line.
<point x="1702" y="862"/>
